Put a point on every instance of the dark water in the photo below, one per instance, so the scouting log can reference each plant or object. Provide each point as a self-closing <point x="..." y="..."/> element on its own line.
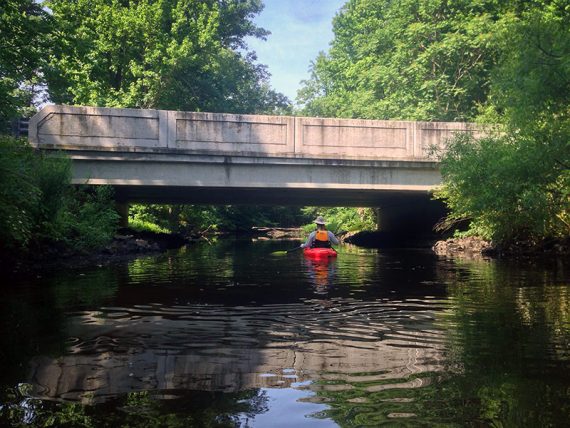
<point x="227" y="335"/>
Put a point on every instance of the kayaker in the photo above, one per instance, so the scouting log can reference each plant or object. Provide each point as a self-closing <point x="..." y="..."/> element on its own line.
<point x="320" y="238"/>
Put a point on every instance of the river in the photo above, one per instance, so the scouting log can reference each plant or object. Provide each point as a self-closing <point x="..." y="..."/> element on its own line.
<point x="225" y="334"/>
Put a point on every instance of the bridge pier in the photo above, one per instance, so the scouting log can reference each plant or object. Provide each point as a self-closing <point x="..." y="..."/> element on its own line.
<point x="410" y="219"/>
<point x="122" y="209"/>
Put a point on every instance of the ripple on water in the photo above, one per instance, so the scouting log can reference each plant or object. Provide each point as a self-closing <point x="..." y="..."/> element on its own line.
<point x="366" y="343"/>
<point x="344" y="346"/>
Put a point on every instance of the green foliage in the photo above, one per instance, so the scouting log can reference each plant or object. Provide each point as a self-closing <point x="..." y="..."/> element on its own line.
<point x="529" y="86"/>
<point x="505" y="187"/>
<point x="24" y="27"/>
<point x="170" y="54"/>
<point x="89" y="218"/>
<point x="152" y="218"/>
<point x="243" y="218"/>
<point x="342" y="218"/>
<point x="146" y="226"/>
<point x="19" y="194"/>
<point x="413" y="60"/>
<point x="201" y="219"/>
<point x="39" y="206"/>
<point x="518" y="185"/>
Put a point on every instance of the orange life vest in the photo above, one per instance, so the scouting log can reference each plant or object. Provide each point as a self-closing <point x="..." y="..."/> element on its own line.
<point x="321" y="239"/>
<point x="322" y="235"/>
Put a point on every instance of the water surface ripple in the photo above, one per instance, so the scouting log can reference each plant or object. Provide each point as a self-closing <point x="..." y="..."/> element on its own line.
<point x="226" y="333"/>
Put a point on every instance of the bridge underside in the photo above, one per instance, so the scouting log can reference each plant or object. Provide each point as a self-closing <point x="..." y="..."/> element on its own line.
<point x="401" y="212"/>
<point x="242" y="178"/>
<point x="400" y="189"/>
<point x="268" y="196"/>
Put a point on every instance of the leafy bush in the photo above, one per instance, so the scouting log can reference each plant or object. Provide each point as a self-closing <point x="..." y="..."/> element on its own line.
<point x="19" y="193"/>
<point x="146" y="226"/>
<point x="149" y="217"/>
<point x="508" y="188"/>
<point x="89" y="218"/>
<point x="39" y="206"/>
<point x="342" y="218"/>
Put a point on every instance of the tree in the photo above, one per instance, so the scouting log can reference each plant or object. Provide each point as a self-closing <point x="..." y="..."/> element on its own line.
<point x="169" y="54"/>
<point x="426" y="60"/>
<point x="517" y="186"/>
<point x="24" y="39"/>
<point x="186" y="55"/>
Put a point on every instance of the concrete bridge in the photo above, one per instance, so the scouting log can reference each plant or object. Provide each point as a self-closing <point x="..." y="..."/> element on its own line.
<point x="160" y="156"/>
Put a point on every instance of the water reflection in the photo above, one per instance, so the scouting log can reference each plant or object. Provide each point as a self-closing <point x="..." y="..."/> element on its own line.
<point x="321" y="273"/>
<point x="227" y="333"/>
<point x="114" y="351"/>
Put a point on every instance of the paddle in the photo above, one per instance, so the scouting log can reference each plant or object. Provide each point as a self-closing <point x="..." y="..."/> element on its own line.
<point x="282" y="253"/>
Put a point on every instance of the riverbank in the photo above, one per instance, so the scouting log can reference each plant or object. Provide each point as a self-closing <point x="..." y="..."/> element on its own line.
<point x="473" y="246"/>
<point x="461" y="247"/>
<point x="126" y="244"/>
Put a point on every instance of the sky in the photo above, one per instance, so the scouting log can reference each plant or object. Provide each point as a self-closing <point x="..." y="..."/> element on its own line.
<point x="300" y="29"/>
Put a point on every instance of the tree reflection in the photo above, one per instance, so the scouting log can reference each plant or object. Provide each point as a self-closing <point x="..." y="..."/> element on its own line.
<point x="506" y="359"/>
<point x="156" y="409"/>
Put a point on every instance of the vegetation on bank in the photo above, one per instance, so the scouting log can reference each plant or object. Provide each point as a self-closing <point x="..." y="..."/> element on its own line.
<point x="192" y="220"/>
<point x="39" y="208"/>
<point x="196" y="220"/>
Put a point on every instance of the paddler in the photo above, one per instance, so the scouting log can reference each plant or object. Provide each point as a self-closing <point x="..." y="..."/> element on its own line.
<point x="320" y="238"/>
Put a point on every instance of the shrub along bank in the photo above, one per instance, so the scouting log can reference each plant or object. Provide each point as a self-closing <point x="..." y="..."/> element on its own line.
<point x="40" y="211"/>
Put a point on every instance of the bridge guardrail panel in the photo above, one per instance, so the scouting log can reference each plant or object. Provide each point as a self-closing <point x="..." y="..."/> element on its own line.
<point x="430" y="135"/>
<point x="231" y="133"/>
<point x="354" y="138"/>
<point x="95" y="128"/>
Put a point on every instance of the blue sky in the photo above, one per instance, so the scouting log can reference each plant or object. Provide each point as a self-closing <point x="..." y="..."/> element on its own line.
<point x="300" y="29"/>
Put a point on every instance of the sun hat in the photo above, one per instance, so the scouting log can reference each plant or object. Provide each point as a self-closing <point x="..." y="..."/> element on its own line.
<point x="320" y="220"/>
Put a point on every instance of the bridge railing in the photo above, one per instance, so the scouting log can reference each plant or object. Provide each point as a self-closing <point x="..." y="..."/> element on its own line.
<point x="135" y="130"/>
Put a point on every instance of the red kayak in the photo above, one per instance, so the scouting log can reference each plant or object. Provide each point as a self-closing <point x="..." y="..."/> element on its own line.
<point x="319" y="253"/>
